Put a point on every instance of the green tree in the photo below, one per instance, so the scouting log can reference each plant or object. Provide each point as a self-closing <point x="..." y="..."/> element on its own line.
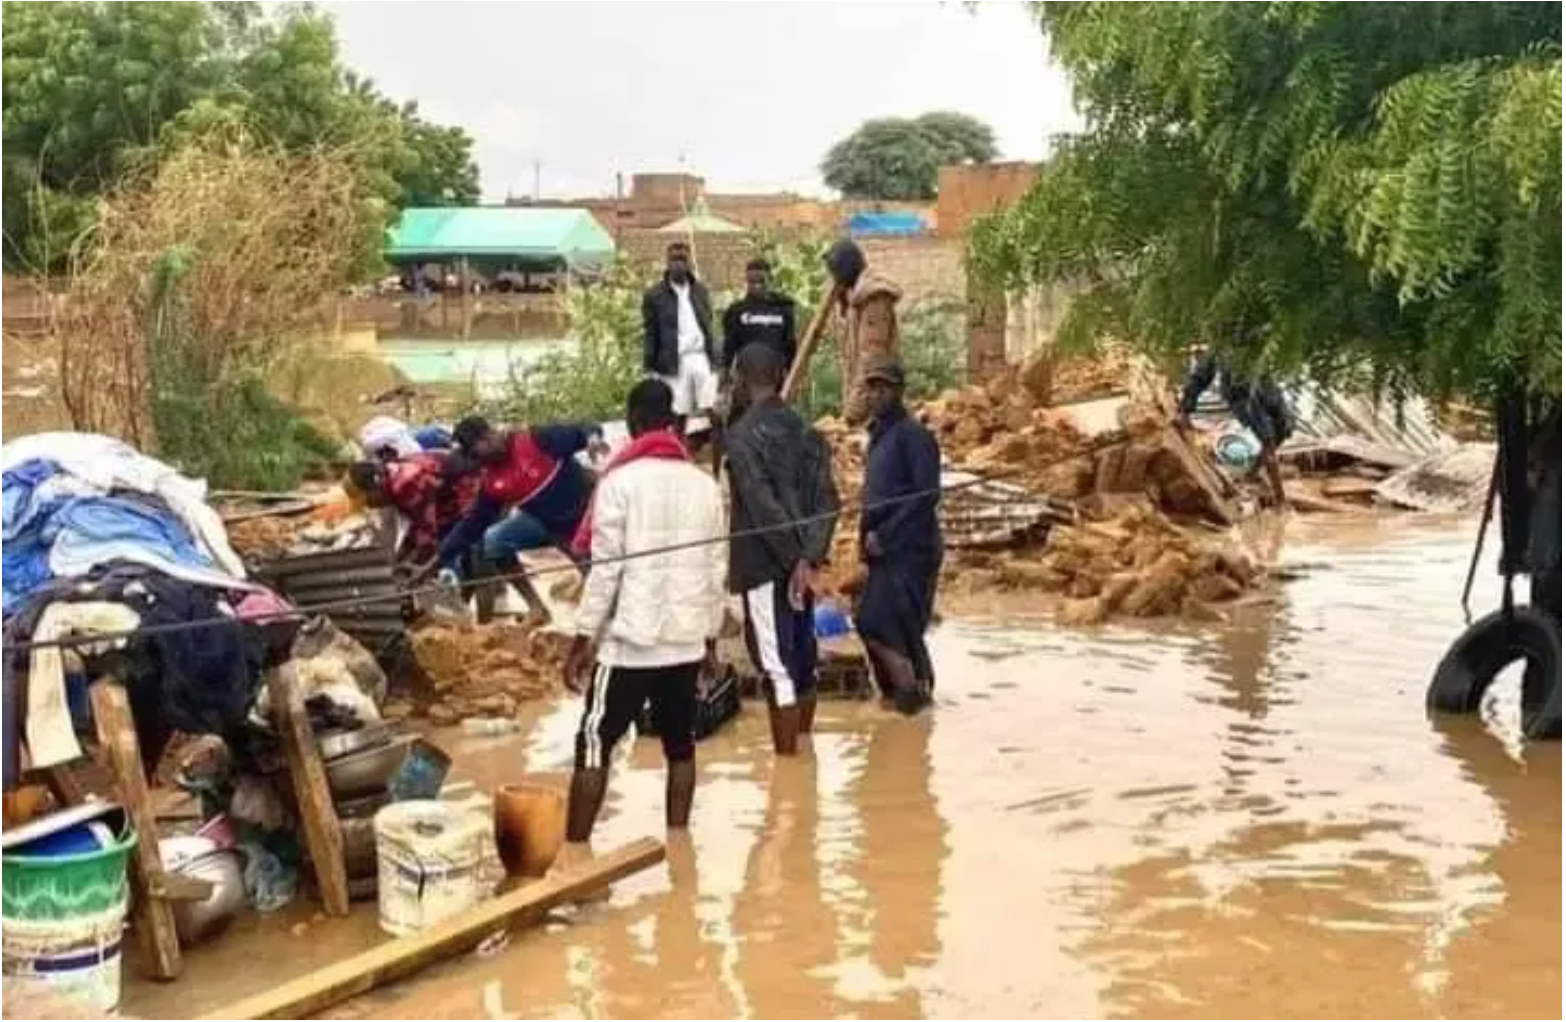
<point x="899" y="158"/>
<point x="91" y="88"/>
<point x="1341" y="187"/>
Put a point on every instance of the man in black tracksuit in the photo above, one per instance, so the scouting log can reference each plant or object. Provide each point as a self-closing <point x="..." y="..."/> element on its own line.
<point x="785" y="503"/>
<point x="763" y="316"/>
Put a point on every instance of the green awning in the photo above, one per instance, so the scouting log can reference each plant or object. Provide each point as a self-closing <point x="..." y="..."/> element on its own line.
<point x="522" y="234"/>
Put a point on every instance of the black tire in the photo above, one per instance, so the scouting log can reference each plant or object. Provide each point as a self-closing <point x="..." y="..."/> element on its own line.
<point x="1486" y="648"/>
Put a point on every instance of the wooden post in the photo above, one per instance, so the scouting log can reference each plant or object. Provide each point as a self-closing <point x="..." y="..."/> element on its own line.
<point x="152" y="915"/>
<point x="308" y="996"/>
<point x="467" y="299"/>
<point x="323" y="832"/>
<point x="799" y="372"/>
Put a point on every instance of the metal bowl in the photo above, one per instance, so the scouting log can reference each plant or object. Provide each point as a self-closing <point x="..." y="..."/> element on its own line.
<point x="225" y="871"/>
<point x="366" y="772"/>
<point x="344" y="743"/>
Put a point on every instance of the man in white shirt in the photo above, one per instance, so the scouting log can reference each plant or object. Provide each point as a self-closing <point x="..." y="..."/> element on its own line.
<point x="647" y="624"/>
<point x="677" y="340"/>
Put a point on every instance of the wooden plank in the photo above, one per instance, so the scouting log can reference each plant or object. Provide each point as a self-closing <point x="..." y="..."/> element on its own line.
<point x="153" y="917"/>
<point x="309" y="995"/>
<point x="323" y="832"/>
<point x="800" y="370"/>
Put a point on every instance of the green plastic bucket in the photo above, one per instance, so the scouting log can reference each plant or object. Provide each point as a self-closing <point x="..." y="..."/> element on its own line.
<point x="64" y="922"/>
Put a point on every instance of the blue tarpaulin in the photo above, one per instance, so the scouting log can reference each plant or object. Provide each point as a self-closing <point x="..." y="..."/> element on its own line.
<point x="885" y="224"/>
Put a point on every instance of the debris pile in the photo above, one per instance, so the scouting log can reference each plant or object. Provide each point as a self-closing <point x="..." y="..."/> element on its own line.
<point x="1137" y="563"/>
<point x="1126" y="492"/>
<point x="485" y="670"/>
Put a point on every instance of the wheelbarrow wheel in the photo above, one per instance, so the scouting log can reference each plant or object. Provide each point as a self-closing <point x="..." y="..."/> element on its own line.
<point x="1488" y="647"/>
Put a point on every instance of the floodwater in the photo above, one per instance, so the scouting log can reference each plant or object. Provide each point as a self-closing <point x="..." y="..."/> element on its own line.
<point x="1252" y="822"/>
<point x="484" y="364"/>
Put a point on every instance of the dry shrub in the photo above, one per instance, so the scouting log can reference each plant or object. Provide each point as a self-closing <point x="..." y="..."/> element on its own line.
<point x="202" y="270"/>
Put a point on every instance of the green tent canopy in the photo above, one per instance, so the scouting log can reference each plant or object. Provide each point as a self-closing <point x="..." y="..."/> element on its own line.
<point x="572" y="237"/>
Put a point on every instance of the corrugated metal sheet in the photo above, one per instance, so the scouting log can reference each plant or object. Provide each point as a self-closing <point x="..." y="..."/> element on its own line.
<point x="992" y="514"/>
<point x="1447" y="481"/>
<point x="1323" y="417"/>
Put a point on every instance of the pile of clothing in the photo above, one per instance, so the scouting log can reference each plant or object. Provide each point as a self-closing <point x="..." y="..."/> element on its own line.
<point x="100" y="539"/>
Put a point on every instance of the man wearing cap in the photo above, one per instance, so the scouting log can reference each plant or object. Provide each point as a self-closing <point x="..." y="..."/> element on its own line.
<point x="900" y="540"/>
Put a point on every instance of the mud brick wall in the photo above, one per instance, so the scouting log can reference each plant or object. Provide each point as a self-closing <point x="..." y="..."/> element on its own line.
<point x="966" y="194"/>
<point x="925" y="267"/>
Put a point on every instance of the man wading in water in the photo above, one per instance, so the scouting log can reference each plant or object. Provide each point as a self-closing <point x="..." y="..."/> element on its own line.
<point x="646" y="624"/>
<point x="900" y="539"/>
<point x="785" y="504"/>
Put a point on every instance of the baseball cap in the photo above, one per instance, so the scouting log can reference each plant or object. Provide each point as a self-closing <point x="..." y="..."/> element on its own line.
<point x="884" y="368"/>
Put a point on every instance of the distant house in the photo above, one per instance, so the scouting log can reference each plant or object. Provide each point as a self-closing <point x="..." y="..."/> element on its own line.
<point x="500" y="247"/>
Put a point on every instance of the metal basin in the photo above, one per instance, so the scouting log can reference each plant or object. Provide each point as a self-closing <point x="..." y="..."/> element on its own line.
<point x="225" y="871"/>
<point x="366" y="772"/>
<point x="345" y="743"/>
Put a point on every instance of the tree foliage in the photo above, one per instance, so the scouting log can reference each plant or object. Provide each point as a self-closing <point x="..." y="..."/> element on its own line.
<point x="899" y="158"/>
<point x="1340" y="187"/>
<point x="93" y="90"/>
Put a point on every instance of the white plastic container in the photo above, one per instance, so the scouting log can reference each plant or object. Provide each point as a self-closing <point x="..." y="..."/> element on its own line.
<point x="430" y="860"/>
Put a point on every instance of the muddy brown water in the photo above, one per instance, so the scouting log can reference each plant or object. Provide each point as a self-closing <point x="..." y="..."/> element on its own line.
<point x="1256" y="821"/>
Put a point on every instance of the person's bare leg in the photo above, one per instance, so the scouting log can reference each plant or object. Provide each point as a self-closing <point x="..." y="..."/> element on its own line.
<point x="587" y="798"/>
<point x="785" y="729"/>
<point x="1269" y="459"/>
<point x="679" y="794"/>
<point x="807" y="713"/>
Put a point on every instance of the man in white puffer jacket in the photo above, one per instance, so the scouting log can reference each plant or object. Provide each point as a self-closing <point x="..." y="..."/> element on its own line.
<point x="646" y="625"/>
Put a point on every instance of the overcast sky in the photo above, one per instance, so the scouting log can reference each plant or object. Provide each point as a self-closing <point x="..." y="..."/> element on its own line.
<point x="749" y="94"/>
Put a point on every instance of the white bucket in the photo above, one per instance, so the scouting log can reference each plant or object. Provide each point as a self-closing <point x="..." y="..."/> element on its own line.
<point x="75" y="959"/>
<point x="430" y="860"/>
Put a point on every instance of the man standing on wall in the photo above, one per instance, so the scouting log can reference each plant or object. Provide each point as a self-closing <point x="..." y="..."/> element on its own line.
<point x="868" y="302"/>
<point x="900" y="539"/>
<point x="677" y="344"/>
<point x="785" y="503"/>
<point x="647" y="622"/>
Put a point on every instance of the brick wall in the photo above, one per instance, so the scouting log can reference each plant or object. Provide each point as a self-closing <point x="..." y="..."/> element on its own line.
<point x="996" y="327"/>
<point x="966" y="193"/>
<point x="925" y="267"/>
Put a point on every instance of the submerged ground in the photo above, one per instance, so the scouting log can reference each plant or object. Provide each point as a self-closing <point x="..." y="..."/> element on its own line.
<point x="1255" y="820"/>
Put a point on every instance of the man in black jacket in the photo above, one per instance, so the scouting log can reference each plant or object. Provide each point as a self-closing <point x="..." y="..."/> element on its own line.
<point x="785" y="504"/>
<point x="677" y="341"/>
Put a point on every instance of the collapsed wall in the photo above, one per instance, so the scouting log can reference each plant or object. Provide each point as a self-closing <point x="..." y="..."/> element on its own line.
<point x="1137" y="502"/>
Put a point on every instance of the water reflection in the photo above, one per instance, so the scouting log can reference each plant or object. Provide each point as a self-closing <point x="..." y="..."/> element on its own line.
<point x="1255" y="821"/>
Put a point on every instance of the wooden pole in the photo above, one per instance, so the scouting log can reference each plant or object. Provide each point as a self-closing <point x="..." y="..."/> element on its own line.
<point x="152" y="915"/>
<point x="800" y="370"/>
<point x="323" y="832"/>
<point x="308" y="996"/>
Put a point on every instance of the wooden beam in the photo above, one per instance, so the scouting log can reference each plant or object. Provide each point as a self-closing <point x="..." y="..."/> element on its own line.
<point x="309" y="995"/>
<point x="323" y="832"/>
<point x="799" y="372"/>
<point x="152" y="915"/>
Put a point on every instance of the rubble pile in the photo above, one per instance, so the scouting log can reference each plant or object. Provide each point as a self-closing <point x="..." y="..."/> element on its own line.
<point x="1132" y="488"/>
<point x="1136" y="563"/>
<point x="485" y="670"/>
<point x="260" y="540"/>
